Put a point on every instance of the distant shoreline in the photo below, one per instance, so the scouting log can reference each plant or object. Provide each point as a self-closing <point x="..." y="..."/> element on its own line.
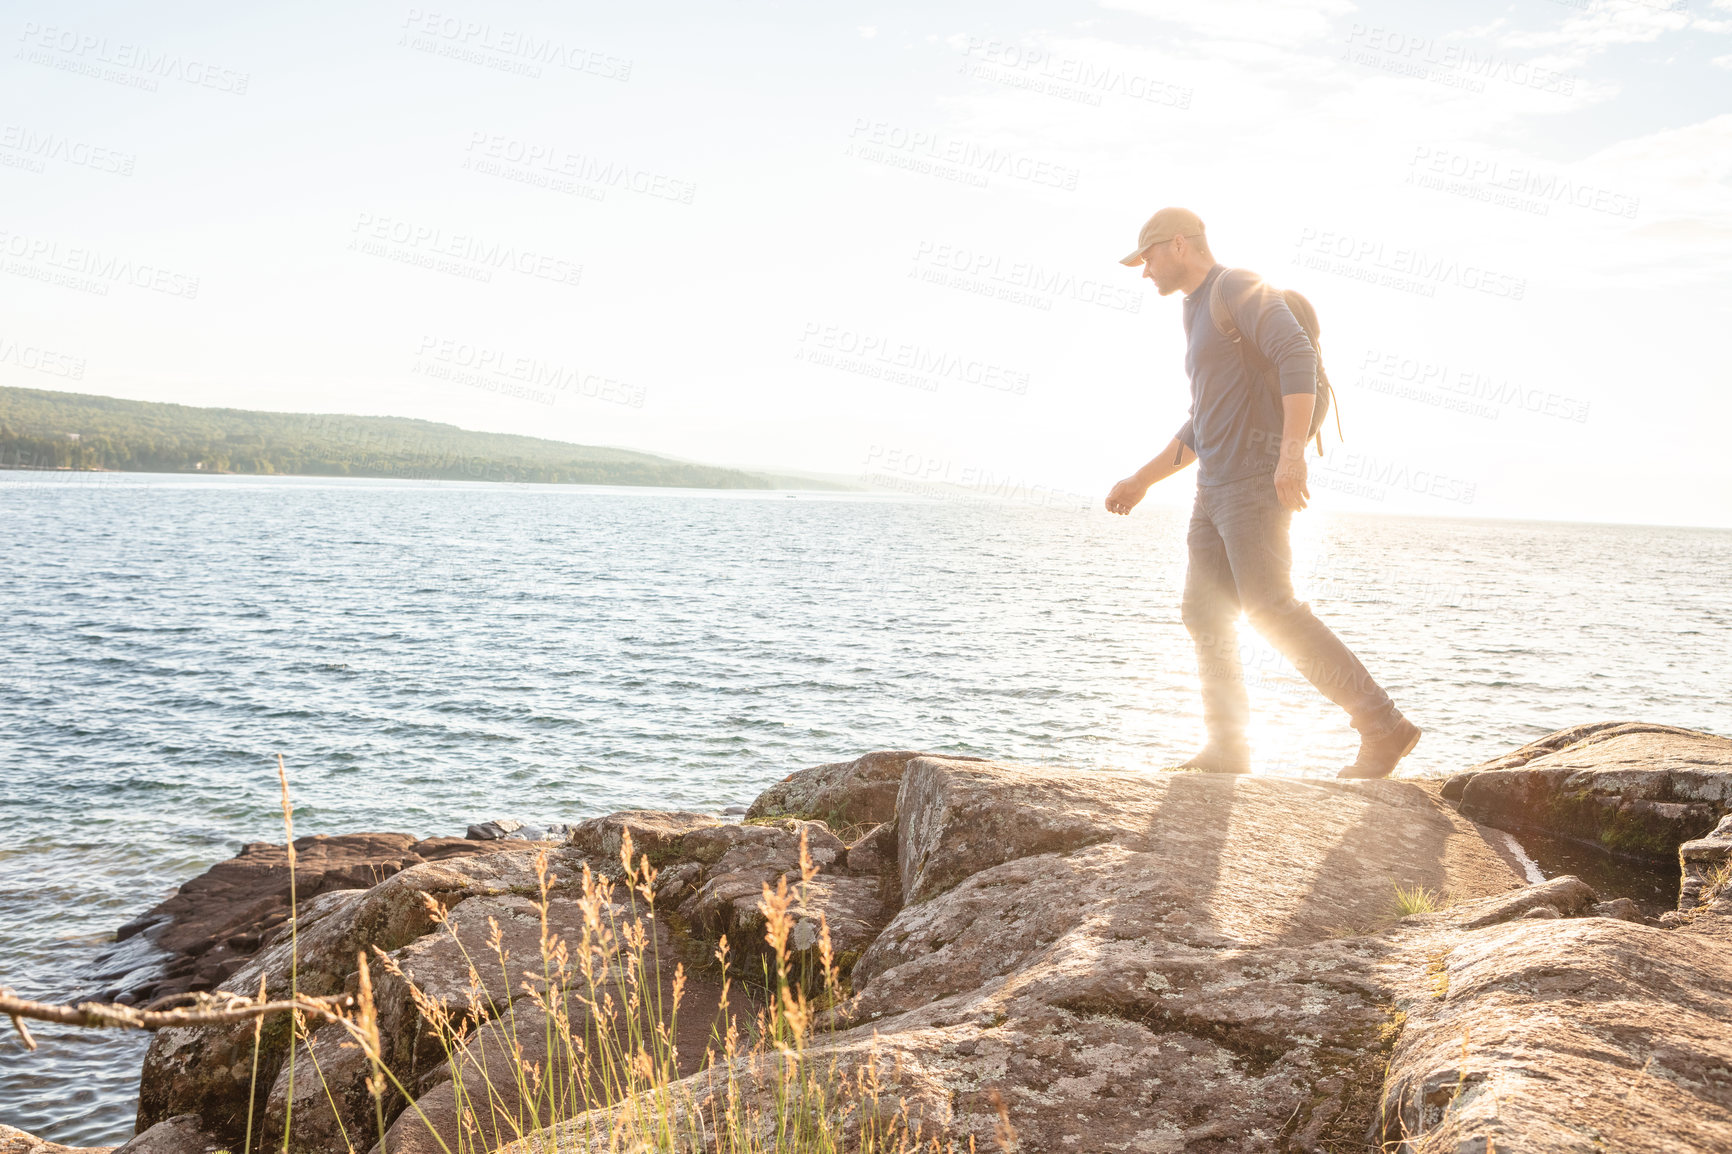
<point x="47" y="431"/>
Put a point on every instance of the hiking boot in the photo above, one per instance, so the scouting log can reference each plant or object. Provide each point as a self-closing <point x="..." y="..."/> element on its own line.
<point x="1378" y="755"/>
<point x="1214" y="758"/>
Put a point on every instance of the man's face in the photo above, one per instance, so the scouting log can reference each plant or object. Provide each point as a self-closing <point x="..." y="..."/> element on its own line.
<point x="1161" y="265"/>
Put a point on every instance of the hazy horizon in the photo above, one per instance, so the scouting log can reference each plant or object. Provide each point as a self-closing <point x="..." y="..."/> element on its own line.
<point x="1172" y="499"/>
<point x="800" y="241"/>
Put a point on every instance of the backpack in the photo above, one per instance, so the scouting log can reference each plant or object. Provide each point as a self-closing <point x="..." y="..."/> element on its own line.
<point x="1307" y="318"/>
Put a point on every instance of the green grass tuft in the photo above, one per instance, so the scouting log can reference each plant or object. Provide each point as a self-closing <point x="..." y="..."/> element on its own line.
<point x="1417" y="900"/>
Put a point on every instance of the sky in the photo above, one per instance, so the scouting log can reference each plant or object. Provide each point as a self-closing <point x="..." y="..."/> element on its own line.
<point x="882" y="240"/>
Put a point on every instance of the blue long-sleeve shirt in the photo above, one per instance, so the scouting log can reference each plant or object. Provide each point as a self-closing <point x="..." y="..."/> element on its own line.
<point x="1236" y="417"/>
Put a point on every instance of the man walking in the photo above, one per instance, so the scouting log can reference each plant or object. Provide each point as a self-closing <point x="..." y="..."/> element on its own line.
<point x="1250" y="416"/>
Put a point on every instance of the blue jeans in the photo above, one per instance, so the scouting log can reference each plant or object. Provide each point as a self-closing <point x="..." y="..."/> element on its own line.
<point x="1240" y="559"/>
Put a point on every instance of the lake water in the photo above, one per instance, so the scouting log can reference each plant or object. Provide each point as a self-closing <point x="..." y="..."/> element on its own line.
<point x="424" y="655"/>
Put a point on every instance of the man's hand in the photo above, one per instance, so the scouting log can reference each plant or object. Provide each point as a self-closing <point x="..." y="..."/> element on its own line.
<point x="1135" y="487"/>
<point x="1126" y="494"/>
<point x="1290" y="484"/>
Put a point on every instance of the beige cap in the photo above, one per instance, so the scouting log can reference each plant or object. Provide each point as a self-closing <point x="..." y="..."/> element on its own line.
<point x="1165" y="225"/>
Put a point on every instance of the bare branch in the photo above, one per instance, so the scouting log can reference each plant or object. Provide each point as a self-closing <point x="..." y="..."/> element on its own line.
<point x="208" y="1010"/>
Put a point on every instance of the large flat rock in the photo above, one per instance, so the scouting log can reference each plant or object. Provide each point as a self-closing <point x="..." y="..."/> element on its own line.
<point x="1319" y="854"/>
<point x="1627" y="787"/>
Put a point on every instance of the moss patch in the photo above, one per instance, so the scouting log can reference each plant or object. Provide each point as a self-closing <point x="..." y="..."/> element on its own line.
<point x="1627" y="828"/>
<point x="1356" y="1102"/>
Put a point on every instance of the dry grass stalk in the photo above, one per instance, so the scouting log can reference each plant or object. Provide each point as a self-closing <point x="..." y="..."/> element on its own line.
<point x="603" y="1066"/>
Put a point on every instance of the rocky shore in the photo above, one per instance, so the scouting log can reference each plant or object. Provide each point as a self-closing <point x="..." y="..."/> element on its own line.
<point x="1166" y="962"/>
<point x="208" y="929"/>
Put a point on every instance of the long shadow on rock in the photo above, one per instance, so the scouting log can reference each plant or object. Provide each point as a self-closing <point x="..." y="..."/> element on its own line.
<point x="1387" y="834"/>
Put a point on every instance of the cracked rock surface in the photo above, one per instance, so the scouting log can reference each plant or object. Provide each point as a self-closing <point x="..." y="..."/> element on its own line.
<point x="1161" y="962"/>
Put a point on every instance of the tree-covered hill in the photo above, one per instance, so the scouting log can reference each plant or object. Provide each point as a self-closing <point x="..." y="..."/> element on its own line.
<point x="41" y="429"/>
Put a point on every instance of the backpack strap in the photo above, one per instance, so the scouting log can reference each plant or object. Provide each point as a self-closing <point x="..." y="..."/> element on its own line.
<point x="1221" y="314"/>
<point x="1220" y="310"/>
